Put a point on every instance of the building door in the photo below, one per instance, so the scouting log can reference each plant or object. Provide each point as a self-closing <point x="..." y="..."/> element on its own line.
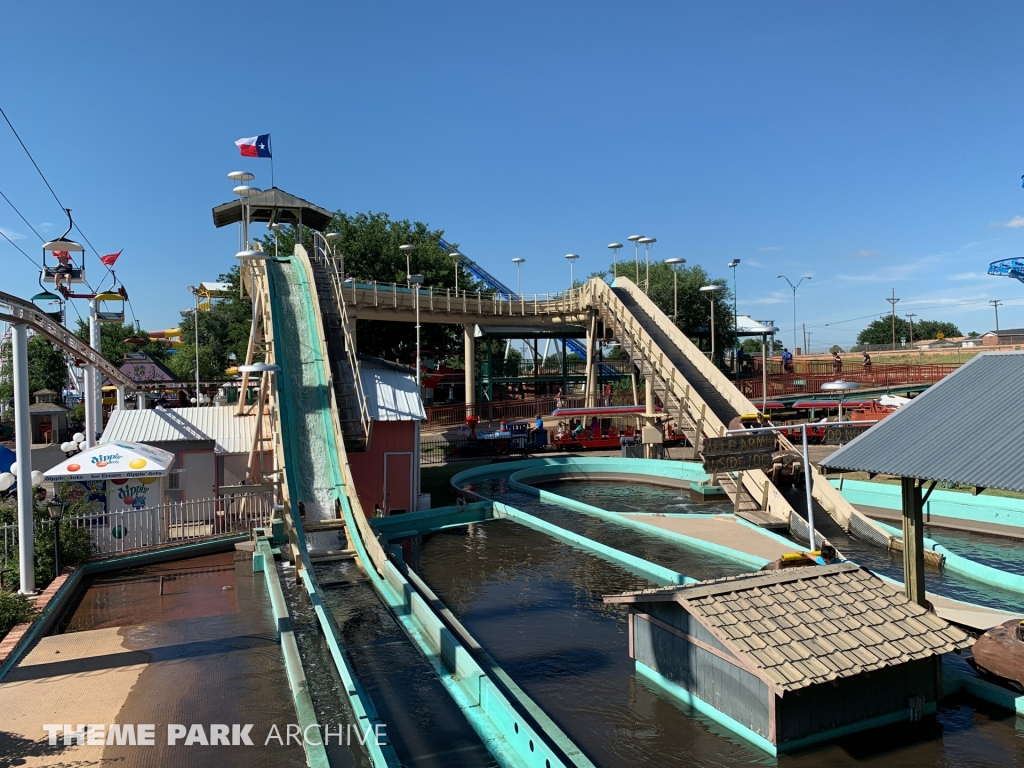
<point x="397" y="483"/>
<point x="200" y="475"/>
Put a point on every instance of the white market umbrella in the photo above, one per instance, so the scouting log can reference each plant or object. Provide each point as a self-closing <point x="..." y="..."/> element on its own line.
<point x="110" y="461"/>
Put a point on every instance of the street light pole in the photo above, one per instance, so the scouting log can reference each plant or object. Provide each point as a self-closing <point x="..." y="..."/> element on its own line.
<point x="195" y="321"/>
<point x="735" y="320"/>
<point x="648" y="242"/>
<point x="711" y="290"/>
<point x="572" y="281"/>
<point x="794" y="287"/>
<point x="673" y="263"/>
<point x="417" y="280"/>
<point x="635" y="239"/>
<point x="407" y="249"/>
<point x="458" y="259"/>
<point x="519" y="274"/>
<point x="614" y="248"/>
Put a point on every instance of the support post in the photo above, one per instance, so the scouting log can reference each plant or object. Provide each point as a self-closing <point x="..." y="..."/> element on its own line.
<point x="140" y="401"/>
<point x="470" y="341"/>
<point x="913" y="540"/>
<point x="648" y="410"/>
<point x="120" y="397"/>
<point x="632" y="378"/>
<point x="591" y="384"/>
<point x="23" y="448"/>
<point x="739" y="491"/>
<point x="90" y="406"/>
<point x="97" y="388"/>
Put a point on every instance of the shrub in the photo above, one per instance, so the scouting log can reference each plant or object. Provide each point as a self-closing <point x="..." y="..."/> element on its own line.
<point x="14" y="609"/>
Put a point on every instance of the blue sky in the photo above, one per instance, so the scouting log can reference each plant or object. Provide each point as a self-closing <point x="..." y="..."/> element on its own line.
<point x="872" y="145"/>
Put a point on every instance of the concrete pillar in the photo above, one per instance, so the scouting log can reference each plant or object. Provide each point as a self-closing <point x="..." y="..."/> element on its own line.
<point x="97" y="381"/>
<point x="591" y="384"/>
<point x="120" y="397"/>
<point x="140" y="401"/>
<point x="55" y="429"/>
<point x="23" y="451"/>
<point x="89" y="399"/>
<point x="470" y="339"/>
<point x="913" y="540"/>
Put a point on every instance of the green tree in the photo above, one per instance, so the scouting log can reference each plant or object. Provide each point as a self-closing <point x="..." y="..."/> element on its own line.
<point x="694" y="306"/>
<point x="47" y="368"/>
<point x="47" y="365"/>
<point x="112" y="341"/>
<point x="880" y="331"/>
<point x="370" y="247"/>
<point x="223" y="332"/>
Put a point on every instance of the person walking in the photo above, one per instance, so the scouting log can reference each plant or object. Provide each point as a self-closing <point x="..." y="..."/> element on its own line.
<point x="867" y="362"/>
<point x="787" y="361"/>
<point x="837" y="363"/>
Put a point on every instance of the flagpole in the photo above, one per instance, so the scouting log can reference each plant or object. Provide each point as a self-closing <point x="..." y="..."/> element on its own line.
<point x="270" y="145"/>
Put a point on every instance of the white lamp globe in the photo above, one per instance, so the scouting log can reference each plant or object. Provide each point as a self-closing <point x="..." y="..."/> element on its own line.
<point x="78" y="437"/>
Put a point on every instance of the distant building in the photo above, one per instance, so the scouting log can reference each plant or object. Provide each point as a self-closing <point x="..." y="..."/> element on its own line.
<point x="47" y="418"/>
<point x="789" y="658"/>
<point x="1008" y="336"/>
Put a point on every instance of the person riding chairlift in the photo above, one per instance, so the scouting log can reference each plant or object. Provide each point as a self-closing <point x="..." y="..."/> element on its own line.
<point x="62" y="272"/>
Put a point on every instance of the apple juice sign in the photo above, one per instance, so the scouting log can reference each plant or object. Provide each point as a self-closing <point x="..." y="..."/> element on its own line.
<point x="131" y="493"/>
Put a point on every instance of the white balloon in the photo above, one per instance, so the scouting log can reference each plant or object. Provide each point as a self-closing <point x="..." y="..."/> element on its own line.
<point x="78" y="437"/>
<point x="6" y="480"/>
<point x="37" y="477"/>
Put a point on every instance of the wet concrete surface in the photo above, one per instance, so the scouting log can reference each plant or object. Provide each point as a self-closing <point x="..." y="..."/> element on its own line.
<point x="208" y="660"/>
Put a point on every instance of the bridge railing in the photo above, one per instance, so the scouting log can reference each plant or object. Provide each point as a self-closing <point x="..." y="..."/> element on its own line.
<point x="398" y="296"/>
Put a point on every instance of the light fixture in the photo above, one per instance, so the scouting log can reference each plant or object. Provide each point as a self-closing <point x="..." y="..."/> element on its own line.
<point x="246" y="190"/>
<point x="252" y="254"/>
<point x="259" y="368"/>
<point x="241" y="176"/>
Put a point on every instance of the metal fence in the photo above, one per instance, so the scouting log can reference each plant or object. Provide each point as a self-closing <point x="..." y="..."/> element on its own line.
<point x="441" y="451"/>
<point x="114" y="533"/>
<point x="809" y="381"/>
<point x="526" y="409"/>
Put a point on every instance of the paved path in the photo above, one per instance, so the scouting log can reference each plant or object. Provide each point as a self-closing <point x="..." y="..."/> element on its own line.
<point x="723" y="530"/>
<point x="218" y="664"/>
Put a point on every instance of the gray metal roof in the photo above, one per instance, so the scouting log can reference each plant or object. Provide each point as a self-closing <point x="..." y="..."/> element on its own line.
<point x="966" y="429"/>
<point x="391" y="390"/>
<point x="229" y="432"/>
<point x="804" y="626"/>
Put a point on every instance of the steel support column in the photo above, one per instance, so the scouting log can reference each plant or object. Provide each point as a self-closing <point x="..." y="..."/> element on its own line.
<point x="470" y="361"/>
<point x="23" y="448"/>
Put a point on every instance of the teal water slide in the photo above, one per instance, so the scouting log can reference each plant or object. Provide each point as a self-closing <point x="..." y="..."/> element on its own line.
<point x="512" y="728"/>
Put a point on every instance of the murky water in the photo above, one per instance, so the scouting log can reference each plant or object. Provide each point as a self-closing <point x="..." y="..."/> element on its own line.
<point x="999" y="553"/>
<point x="535" y="604"/>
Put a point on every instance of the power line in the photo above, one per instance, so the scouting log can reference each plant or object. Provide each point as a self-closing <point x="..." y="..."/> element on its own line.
<point x="22" y="217"/>
<point x="5" y="237"/>
<point x="31" y="158"/>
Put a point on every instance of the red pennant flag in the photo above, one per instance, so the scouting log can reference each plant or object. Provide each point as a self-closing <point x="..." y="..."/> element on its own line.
<point x="110" y="258"/>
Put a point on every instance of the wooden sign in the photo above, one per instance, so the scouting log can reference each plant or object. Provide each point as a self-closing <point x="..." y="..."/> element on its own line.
<point x="734" y="462"/>
<point x="734" y="444"/>
<point x="840" y="435"/>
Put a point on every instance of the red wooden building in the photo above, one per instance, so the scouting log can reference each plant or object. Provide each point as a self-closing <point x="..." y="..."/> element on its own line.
<point x="387" y="474"/>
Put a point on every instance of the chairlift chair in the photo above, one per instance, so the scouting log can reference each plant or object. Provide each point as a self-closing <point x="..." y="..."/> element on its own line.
<point x="109" y="307"/>
<point x="62" y="245"/>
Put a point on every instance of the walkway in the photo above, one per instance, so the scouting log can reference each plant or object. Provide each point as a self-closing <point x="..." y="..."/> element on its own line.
<point x="204" y="653"/>
<point x="721" y="530"/>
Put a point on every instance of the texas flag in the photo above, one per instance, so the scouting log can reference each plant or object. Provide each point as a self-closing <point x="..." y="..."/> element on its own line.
<point x="257" y="146"/>
<point x="110" y="258"/>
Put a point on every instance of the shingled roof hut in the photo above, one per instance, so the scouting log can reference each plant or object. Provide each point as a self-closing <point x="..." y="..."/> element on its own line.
<point x="790" y="658"/>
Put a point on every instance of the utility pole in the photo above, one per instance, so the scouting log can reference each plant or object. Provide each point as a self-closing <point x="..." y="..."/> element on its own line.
<point x="804" y="327"/>
<point x="893" y="301"/>
<point x="995" y="303"/>
<point x="911" y="315"/>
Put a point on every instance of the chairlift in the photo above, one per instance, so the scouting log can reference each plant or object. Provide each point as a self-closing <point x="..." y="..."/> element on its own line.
<point x="63" y="272"/>
<point x="139" y="338"/>
<point x="48" y="297"/>
<point x="109" y="308"/>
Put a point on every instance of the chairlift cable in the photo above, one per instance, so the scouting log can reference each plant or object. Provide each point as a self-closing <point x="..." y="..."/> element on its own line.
<point x="41" y="238"/>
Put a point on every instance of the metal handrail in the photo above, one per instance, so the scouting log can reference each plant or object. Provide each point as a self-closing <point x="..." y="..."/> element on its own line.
<point x="320" y="254"/>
